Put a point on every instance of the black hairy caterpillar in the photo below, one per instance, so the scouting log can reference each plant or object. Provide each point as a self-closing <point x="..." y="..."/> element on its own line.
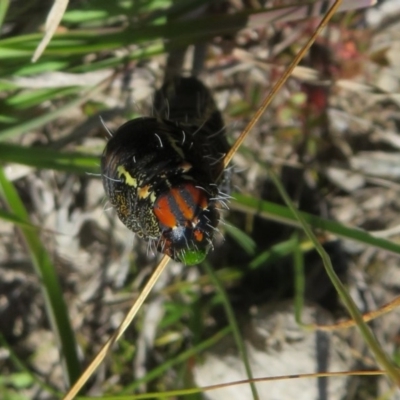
<point x="161" y="173"/>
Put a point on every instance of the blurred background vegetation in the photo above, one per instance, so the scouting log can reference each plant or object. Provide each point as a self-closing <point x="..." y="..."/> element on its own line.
<point x="68" y="268"/>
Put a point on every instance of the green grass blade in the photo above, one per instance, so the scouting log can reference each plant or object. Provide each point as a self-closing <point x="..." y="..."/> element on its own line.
<point x="31" y="98"/>
<point x="37" y="122"/>
<point x="241" y="238"/>
<point x="22" y="367"/>
<point x="182" y="357"/>
<point x="43" y="158"/>
<point x="54" y="302"/>
<point x="50" y="116"/>
<point x="283" y="214"/>
<point x="279" y="251"/>
<point x="233" y="323"/>
<point x="351" y="307"/>
<point x="112" y="62"/>
<point x="15" y="219"/>
<point x="4" y="4"/>
<point x="26" y="69"/>
<point x="299" y="278"/>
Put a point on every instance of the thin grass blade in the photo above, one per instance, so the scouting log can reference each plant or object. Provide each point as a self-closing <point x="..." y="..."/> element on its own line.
<point x="283" y="214"/>
<point x="373" y="344"/>
<point x="234" y="325"/>
<point x="43" y="158"/>
<point x="54" y="302"/>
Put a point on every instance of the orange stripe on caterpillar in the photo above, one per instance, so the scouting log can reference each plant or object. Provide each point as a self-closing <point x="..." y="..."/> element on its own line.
<point x="180" y="206"/>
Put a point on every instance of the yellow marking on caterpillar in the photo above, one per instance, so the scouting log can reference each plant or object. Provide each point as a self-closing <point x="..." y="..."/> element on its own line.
<point x="144" y="192"/>
<point x="129" y="179"/>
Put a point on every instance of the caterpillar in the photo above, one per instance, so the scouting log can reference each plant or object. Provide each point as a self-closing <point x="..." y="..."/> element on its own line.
<point x="161" y="173"/>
